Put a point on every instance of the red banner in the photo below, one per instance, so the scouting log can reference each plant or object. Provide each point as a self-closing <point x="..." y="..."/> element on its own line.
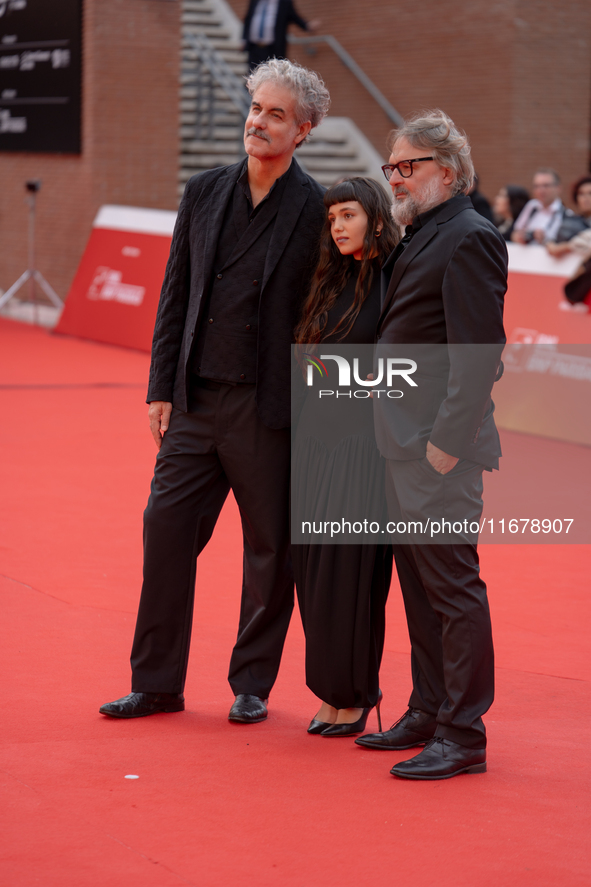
<point x="115" y="292"/>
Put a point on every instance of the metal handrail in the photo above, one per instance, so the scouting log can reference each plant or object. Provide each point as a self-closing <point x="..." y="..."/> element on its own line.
<point x="222" y="73"/>
<point x="350" y="63"/>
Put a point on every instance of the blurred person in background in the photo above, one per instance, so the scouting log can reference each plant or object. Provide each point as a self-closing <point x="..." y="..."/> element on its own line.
<point x="578" y="289"/>
<point x="480" y="202"/>
<point x="581" y="193"/>
<point x="265" y="29"/>
<point x="507" y="206"/>
<point x="580" y="239"/>
<point x="542" y="217"/>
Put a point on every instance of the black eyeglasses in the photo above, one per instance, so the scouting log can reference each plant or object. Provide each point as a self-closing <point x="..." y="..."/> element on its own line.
<point x="404" y="167"/>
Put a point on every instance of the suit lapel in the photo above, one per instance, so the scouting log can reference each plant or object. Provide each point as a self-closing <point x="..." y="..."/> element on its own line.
<point x="294" y="197"/>
<point x="213" y="216"/>
<point x="252" y="233"/>
<point x="418" y="242"/>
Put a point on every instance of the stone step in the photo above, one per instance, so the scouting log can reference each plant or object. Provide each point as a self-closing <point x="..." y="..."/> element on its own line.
<point x="229" y="119"/>
<point x="226" y="121"/>
<point x="190" y="93"/>
<point x="231" y="57"/>
<point x="215" y="146"/>
<point x="343" y="149"/>
<point x="328" y="179"/>
<point x="208" y="161"/>
<point x="329" y="163"/>
<point x="199" y="16"/>
<point x="220" y="137"/>
<point x="189" y="98"/>
<point x="202" y="21"/>
<point x="196" y="5"/>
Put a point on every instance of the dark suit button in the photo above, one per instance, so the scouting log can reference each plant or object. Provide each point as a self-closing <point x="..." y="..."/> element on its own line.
<point x="242" y="376"/>
<point x="247" y="326"/>
<point x="255" y="282"/>
<point x="211" y="320"/>
<point x="219" y="276"/>
<point x="192" y="333"/>
<point x="379" y="336"/>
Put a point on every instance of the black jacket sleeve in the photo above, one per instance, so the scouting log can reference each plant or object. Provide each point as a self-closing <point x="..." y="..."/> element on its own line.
<point x="172" y="307"/>
<point x="473" y="297"/>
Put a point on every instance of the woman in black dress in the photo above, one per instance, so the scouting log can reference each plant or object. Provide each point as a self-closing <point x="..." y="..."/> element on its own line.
<point x="342" y="588"/>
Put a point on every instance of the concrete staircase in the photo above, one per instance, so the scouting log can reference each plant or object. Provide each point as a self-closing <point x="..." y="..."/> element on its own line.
<point x="211" y="125"/>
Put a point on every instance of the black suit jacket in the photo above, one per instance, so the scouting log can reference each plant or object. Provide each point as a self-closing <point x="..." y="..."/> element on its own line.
<point x="286" y="15"/>
<point x="446" y="289"/>
<point x="289" y="265"/>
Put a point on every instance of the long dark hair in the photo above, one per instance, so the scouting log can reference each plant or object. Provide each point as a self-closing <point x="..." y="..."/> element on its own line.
<point x="518" y="197"/>
<point x="333" y="270"/>
<point x="584" y="180"/>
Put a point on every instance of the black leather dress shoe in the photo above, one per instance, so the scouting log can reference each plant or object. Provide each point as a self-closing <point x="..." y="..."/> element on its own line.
<point x="248" y="709"/>
<point x="441" y="759"/>
<point x="414" y="728"/>
<point x="138" y="705"/>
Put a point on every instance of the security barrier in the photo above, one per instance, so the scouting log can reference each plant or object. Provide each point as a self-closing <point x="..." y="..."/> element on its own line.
<point x="114" y="295"/>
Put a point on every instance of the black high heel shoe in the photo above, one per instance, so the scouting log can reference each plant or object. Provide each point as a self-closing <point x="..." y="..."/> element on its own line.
<point x="318" y="726"/>
<point x="357" y="726"/>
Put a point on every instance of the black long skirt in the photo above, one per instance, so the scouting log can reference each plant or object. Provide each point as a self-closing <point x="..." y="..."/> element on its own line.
<point x="342" y="589"/>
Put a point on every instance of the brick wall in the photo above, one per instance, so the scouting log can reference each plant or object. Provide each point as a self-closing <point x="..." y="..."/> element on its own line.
<point x="515" y="74"/>
<point x="129" y="140"/>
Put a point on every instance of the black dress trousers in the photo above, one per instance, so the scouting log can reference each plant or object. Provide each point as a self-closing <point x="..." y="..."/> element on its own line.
<point x="218" y="445"/>
<point x="452" y="658"/>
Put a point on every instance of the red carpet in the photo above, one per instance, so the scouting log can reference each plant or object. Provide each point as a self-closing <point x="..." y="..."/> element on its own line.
<point x="219" y="804"/>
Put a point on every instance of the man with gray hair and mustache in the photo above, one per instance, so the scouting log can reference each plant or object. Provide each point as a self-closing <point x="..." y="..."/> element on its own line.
<point x="444" y="289"/>
<point x="241" y="260"/>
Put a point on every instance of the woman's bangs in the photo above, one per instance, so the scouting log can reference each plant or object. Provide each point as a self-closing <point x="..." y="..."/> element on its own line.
<point x="340" y="193"/>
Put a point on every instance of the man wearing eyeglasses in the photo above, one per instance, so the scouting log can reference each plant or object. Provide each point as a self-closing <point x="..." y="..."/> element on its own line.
<point x="443" y="293"/>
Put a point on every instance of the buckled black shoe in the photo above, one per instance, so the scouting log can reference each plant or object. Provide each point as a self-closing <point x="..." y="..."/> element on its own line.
<point x="441" y="759"/>
<point x="248" y="709"/>
<point x="139" y="705"/>
<point x="414" y="728"/>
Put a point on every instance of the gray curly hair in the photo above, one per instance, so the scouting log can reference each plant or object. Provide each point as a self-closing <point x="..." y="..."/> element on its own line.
<point x="311" y="95"/>
<point x="434" y="131"/>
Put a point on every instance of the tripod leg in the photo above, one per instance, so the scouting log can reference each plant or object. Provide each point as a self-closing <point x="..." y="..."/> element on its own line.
<point x="14" y="288"/>
<point x="48" y="290"/>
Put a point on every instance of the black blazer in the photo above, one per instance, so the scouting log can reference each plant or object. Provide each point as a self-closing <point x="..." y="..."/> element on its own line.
<point x="286" y="15"/>
<point x="447" y="288"/>
<point x="289" y="265"/>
